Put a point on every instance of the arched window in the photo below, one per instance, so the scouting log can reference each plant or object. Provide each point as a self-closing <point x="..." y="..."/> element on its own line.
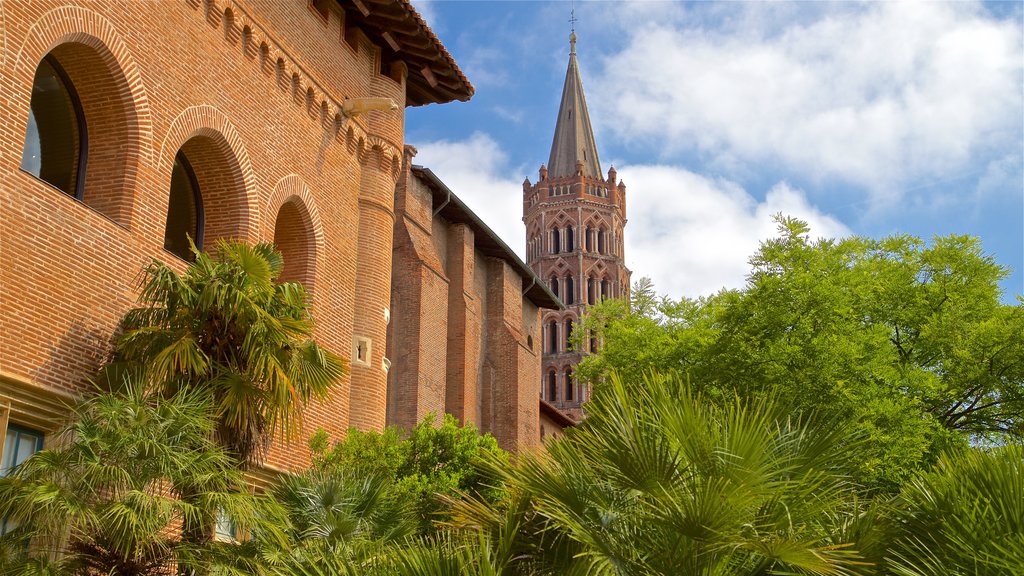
<point x="570" y="290"/>
<point x="56" y="138"/>
<point x="588" y="238"/>
<point x="568" y="333"/>
<point x="556" y="244"/>
<point x="553" y="337"/>
<point x="207" y="196"/>
<point x="184" y="211"/>
<point x="570" y="239"/>
<point x="294" y="239"/>
<point x="590" y="290"/>
<point x="569" y="384"/>
<point x="554" y="286"/>
<point x="552" y="386"/>
<point x="593" y="341"/>
<point x="83" y="135"/>
<point x="605" y="289"/>
<point x="600" y="241"/>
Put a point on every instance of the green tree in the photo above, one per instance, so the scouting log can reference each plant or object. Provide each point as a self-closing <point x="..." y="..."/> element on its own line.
<point x="229" y="329"/>
<point x="106" y="500"/>
<point x="908" y="340"/>
<point x="429" y="465"/>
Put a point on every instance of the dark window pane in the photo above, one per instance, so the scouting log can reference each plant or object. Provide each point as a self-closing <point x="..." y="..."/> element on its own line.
<point x="184" y="211"/>
<point x="19" y="444"/>
<point x="53" y="140"/>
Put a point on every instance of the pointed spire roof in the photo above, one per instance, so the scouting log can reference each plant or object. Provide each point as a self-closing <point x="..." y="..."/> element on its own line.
<point x="574" y="138"/>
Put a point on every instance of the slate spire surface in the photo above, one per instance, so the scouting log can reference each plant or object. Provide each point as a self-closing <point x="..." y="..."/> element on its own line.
<point x="574" y="138"/>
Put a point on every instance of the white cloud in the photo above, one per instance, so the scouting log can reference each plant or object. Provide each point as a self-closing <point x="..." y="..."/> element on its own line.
<point x="877" y="94"/>
<point x="693" y="235"/>
<point x="428" y="13"/>
<point x="476" y="171"/>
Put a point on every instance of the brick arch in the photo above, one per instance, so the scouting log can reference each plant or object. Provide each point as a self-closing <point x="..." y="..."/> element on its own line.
<point x="293" y="212"/>
<point x="219" y="138"/>
<point x="102" y="71"/>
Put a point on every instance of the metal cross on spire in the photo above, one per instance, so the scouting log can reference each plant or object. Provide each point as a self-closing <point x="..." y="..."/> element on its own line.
<point x="572" y="26"/>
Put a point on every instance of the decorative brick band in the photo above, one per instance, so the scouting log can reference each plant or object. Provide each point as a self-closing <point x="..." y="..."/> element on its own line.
<point x="276" y="61"/>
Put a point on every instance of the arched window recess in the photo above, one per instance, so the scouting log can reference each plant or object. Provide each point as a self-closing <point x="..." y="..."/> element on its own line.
<point x="56" y="139"/>
<point x="184" y="211"/>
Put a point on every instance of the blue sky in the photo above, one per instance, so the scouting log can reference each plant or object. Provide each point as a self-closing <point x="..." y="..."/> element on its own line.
<point x="869" y="119"/>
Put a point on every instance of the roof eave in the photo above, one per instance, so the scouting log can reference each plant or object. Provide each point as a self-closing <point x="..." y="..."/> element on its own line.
<point x="560" y="418"/>
<point x="433" y="75"/>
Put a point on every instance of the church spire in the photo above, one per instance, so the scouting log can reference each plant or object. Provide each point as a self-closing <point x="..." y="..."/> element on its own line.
<point x="574" y="138"/>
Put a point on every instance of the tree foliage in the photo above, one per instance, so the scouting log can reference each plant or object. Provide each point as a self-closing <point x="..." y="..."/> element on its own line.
<point x="658" y="481"/>
<point x="964" y="517"/>
<point x="429" y="465"/>
<point x="908" y="340"/>
<point x="105" y="499"/>
<point x="227" y="327"/>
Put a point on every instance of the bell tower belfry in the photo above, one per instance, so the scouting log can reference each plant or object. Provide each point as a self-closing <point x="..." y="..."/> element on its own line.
<point x="574" y="220"/>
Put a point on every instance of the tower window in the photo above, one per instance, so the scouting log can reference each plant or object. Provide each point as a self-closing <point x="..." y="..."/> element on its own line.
<point x="568" y="333"/>
<point x="568" y="385"/>
<point x="570" y="290"/>
<point x="552" y="386"/>
<point x="553" y="337"/>
<point x="55" y="140"/>
<point x="556" y="241"/>
<point x="570" y="239"/>
<point x="554" y="286"/>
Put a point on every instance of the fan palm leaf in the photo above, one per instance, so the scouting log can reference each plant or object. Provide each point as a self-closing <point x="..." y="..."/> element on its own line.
<point x="229" y="329"/>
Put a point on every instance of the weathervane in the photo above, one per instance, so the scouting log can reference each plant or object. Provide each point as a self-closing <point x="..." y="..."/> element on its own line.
<point x="572" y="27"/>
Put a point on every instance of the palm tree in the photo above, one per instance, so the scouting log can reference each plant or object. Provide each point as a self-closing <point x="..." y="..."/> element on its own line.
<point x="106" y="500"/>
<point x="658" y="480"/>
<point x="337" y="522"/>
<point x="229" y="329"/>
<point x="964" y="517"/>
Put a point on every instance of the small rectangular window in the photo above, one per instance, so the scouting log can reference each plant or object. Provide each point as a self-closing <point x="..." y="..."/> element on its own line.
<point x="362" y="351"/>
<point x="19" y="444"/>
<point x="225" y="531"/>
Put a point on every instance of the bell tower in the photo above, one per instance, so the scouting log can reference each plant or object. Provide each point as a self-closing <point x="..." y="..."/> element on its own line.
<point x="574" y="220"/>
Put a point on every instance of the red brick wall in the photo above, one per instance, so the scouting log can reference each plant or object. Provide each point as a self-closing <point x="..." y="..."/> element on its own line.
<point x="458" y="338"/>
<point x="418" y="331"/>
<point x="253" y="88"/>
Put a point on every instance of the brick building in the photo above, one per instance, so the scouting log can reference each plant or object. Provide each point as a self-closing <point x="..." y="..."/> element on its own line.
<point x="464" y="336"/>
<point x="574" y="220"/>
<point x="126" y="125"/>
